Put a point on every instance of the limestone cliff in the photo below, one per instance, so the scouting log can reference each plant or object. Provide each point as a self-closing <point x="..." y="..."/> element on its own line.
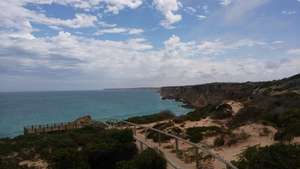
<point x="215" y="93"/>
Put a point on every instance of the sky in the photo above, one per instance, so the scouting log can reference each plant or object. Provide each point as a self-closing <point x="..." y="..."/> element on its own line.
<point x="96" y="44"/>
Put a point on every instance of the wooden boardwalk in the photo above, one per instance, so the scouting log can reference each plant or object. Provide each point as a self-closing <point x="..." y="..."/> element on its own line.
<point x="171" y="150"/>
<point x="173" y="157"/>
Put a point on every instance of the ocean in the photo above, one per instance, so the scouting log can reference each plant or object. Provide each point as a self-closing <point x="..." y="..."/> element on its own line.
<point x="19" y="109"/>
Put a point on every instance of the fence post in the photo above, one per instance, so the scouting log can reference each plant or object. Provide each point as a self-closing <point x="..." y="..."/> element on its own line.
<point x="176" y="147"/>
<point x="146" y="134"/>
<point x="197" y="157"/>
<point x="141" y="146"/>
<point x="159" y="139"/>
<point x="134" y="130"/>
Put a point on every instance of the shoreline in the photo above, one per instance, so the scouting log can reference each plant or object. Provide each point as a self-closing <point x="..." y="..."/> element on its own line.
<point x="104" y="117"/>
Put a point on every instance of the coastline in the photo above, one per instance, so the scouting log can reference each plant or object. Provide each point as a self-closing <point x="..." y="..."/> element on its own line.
<point x="52" y="107"/>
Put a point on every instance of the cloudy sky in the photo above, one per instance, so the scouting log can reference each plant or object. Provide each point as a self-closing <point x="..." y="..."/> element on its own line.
<point x="96" y="44"/>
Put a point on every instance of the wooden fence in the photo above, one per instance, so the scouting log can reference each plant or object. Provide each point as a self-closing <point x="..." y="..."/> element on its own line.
<point x="46" y="128"/>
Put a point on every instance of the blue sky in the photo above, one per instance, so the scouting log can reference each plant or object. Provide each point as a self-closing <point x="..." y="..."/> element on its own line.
<point x="96" y="44"/>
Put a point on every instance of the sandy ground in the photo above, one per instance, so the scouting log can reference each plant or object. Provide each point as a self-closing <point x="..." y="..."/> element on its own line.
<point x="236" y="106"/>
<point x="296" y="140"/>
<point x="259" y="134"/>
<point x="204" y="122"/>
<point x="256" y="138"/>
<point x="256" y="132"/>
<point x="39" y="164"/>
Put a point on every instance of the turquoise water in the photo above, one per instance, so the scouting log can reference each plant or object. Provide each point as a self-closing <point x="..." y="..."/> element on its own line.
<point x="19" y="109"/>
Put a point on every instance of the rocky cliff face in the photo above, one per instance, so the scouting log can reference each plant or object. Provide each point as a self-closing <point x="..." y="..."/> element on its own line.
<point x="275" y="103"/>
<point x="199" y="96"/>
<point x="214" y="93"/>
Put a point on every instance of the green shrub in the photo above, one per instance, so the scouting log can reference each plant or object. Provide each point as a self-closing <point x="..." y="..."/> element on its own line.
<point x="149" y="159"/>
<point x="126" y="165"/>
<point x="163" y="115"/>
<point x="9" y="164"/>
<point x="219" y="141"/>
<point x="235" y="138"/>
<point x="200" y="113"/>
<point x="196" y="134"/>
<point x="223" y="111"/>
<point x="288" y="124"/>
<point x="85" y="148"/>
<point x="155" y="136"/>
<point x="180" y="119"/>
<point x="67" y="158"/>
<point x="176" y="131"/>
<point x="108" y="157"/>
<point x="277" y="156"/>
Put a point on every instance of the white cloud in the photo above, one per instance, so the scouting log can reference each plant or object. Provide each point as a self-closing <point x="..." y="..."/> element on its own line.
<point x="205" y="9"/>
<point x="294" y="52"/>
<point x="174" y="47"/>
<point x="168" y="9"/>
<point x="16" y="18"/>
<point x="190" y="10"/>
<point x="219" y="47"/>
<point x="134" y="31"/>
<point x="172" y="41"/>
<point x="193" y="12"/>
<point x="225" y="2"/>
<point x="79" y="21"/>
<point x="115" y="30"/>
<point x="278" y="42"/>
<point x="115" y="6"/>
<point x="240" y="8"/>
<point x="202" y="17"/>
<point x="288" y="12"/>
<point x="134" y="62"/>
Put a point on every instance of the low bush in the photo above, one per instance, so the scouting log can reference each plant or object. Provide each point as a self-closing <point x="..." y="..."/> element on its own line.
<point x="235" y="138"/>
<point x="200" y="113"/>
<point x="85" y="148"/>
<point x="180" y="119"/>
<point x="176" y="131"/>
<point x="288" y="124"/>
<point x="277" y="156"/>
<point x="68" y="158"/>
<point x="196" y="134"/>
<point x="163" y="115"/>
<point x="148" y="159"/>
<point x="155" y="136"/>
<point x="219" y="141"/>
<point x="221" y="112"/>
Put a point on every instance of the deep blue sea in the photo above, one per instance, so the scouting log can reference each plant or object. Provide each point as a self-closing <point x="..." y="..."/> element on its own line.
<point x="19" y="109"/>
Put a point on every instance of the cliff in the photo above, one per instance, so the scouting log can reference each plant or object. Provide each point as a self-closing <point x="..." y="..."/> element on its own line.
<point x="199" y="96"/>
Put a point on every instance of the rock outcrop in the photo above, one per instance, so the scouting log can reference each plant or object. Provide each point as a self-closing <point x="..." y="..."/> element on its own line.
<point x="199" y="96"/>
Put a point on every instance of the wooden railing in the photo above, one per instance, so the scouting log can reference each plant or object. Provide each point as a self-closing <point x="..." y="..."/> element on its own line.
<point x="145" y="144"/>
<point x="45" y="128"/>
<point x="197" y="147"/>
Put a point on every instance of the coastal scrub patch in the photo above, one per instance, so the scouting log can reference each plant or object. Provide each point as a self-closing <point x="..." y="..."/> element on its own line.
<point x="85" y="148"/>
<point x="277" y="156"/>
<point x="155" y="136"/>
<point x="148" y="159"/>
<point x="196" y="134"/>
<point x="163" y="115"/>
<point x="200" y="113"/>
